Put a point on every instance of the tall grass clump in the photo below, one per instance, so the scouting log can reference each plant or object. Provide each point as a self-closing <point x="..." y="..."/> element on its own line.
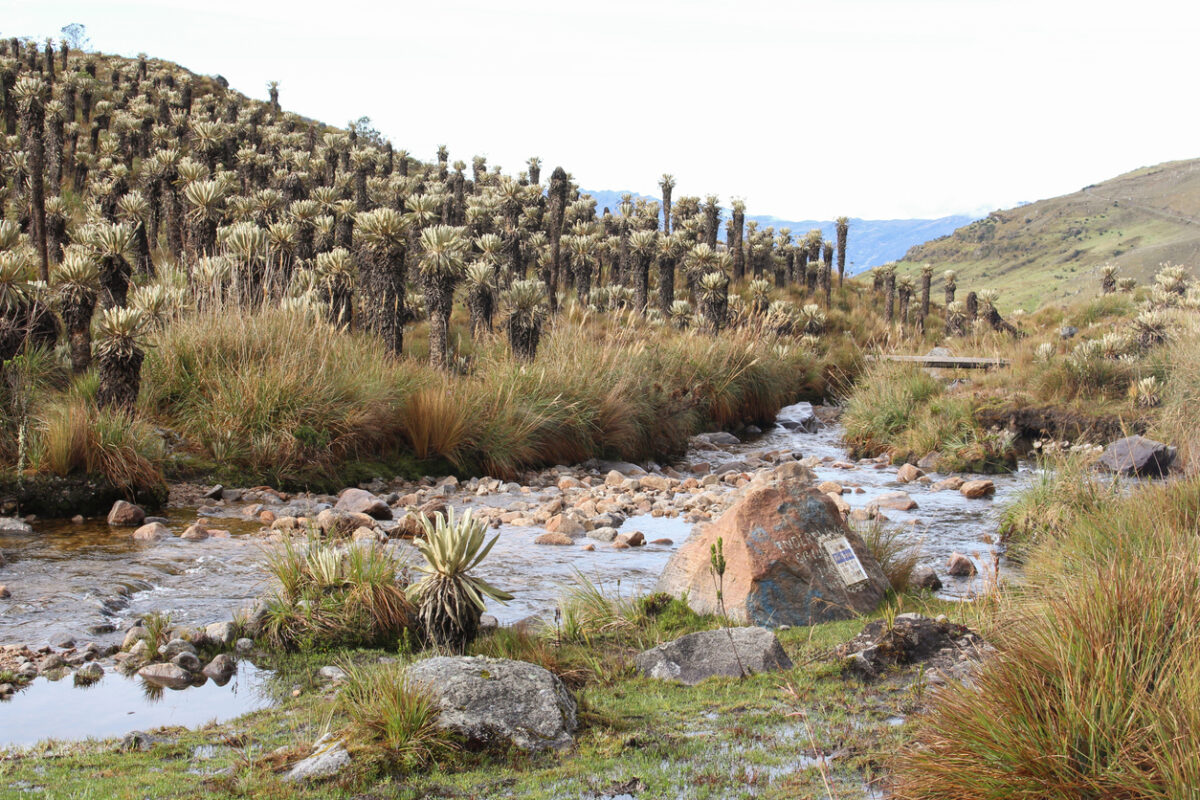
<point x="277" y="391"/>
<point x="1181" y="398"/>
<point x="74" y="436"/>
<point x="906" y="413"/>
<point x="328" y="596"/>
<point x="1064" y="488"/>
<point x="897" y="555"/>
<point x="1095" y="689"/>
<point x="391" y="717"/>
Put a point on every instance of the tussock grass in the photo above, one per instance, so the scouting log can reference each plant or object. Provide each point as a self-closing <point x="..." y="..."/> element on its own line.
<point x="75" y="436"/>
<point x="329" y="596"/>
<point x="1065" y="487"/>
<point x="391" y="718"/>
<point x="1181" y="398"/>
<point x="275" y="392"/>
<point x="1095" y="690"/>
<point x="897" y="555"/>
<point x="907" y="413"/>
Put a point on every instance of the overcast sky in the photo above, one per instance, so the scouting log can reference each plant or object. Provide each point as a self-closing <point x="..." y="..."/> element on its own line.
<point x="869" y="108"/>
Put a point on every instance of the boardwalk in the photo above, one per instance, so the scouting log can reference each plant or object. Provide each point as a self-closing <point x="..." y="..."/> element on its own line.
<point x="945" y="362"/>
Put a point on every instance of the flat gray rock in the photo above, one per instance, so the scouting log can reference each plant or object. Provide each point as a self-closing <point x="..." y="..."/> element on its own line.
<point x="726" y="652"/>
<point x="329" y="757"/>
<point x="1137" y="455"/>
<point x="798" y="417"/>
<point x="360" y="501"/>
<point x="499" y="701"/>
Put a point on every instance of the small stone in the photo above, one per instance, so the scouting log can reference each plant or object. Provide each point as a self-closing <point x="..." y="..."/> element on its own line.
<point x="4" y="592"/>
<point x="953" y="483"/>
<point x="126" y="514"/>
<point x="960" y="566"/>
<point x="633" y="539"/>
<point x="924" y="577"/>
<point x="152" y="532"/>
<point x="170" y="676"/>
<point x="332" y="674"/>
<point x="329" y="757"/>
<point x="589" y="547"/>
<point x="974" y="490"/>
<point x="221" y="667"/>
<point x="559" y="539"/>
<point x="77" y="519"/>
<point x="898" y="501"/>
<point x="560" y="523"/>
<point x="195" y="533"/>
<point x="244" y="645"/>
<point x="177" y="646"/>
<point x="360" y="501"/>
<point x="908" y="473"/>
<point x="188" y="661"/>
<point x="663" y="541"/>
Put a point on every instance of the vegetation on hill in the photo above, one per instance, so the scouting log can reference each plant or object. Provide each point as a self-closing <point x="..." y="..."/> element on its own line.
<point x="1053" y="250"/>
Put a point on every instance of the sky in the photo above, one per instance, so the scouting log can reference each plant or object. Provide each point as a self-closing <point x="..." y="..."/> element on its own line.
<point x="869" y="108"/>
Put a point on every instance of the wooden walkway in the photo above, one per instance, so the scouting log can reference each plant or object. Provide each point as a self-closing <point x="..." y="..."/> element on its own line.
<point x="945" y="362"/>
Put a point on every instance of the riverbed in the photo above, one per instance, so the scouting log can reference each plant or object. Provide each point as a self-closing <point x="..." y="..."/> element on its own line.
<point x="89" y="582"/>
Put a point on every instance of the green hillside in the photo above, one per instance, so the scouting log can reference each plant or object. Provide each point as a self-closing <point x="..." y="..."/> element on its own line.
<point x="1053" y="249"/>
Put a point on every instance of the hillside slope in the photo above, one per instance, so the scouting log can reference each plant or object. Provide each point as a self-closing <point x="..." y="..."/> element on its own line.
<point x="872" y="241"/>
<point x="1053" y="249"/>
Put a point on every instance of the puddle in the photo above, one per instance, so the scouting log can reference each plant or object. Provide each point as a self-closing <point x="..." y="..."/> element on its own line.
<point x="116" y="705"/>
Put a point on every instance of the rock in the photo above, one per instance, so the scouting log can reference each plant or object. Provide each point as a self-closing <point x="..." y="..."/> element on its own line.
<point x="169" y="676"/>
<point x="243" y="645"/>
<point x="829" y="487"/>
<point x="567" y="482"/>
<point x="177" y="646"/>
<point x="195" y="533"/>
<point x="924" y="577"/>
<point x="603" y="534"/>
<point x="124" y="513"/>
<point x="331" y="674"/>
<point x="499" y="701"/>
<point x="214" y="493"/>
<point x="589" y="547"/>
<point x="1067" y="332"/>
<point x="727" y="652"/>
<point x="561" y="523"/>
<point x="152" y="532"/>
<point x="488" y="623"/>
<point x="897" y="501"/>
<point x="909" y="639"/>
<point x="959" y="566"/>
<point x="221" y="668"/>
<point x="328" y="758"/>
<point x="133" y="636"/>
<point x="720" y="438"/>
<point x="929" y="461"/>
<point x="974" y="490"/>
<point x="77" y="519"/>
<point x="88" y="674"/>
<point x="4" y="592"/>
<point x="632" y="539"/>
<point x="658" y="483"/>
<point x="1137" y="455"/>
<point x="560" y="539"/>
<point x="614" y="478"/>
<point x="220" y="633"/>
<point x="908" y="473"/>
<point x="798" y="417"/>
<point x="953" y="483"/>
<point x="13" y="525"/>
<point x="621" y="467"/>
<point x="360" y="501"/>
<point x="188" y="662"/>
<point x="663" y="541"/>
<point x="142" y="741"/>
<point x="779" y="566"/>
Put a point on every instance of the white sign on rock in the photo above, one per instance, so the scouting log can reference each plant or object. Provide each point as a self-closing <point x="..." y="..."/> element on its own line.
<point x="844" y="558"/>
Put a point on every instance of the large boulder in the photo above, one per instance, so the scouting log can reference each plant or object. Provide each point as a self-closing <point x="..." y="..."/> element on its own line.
<point x="1137" y="455"/>
<point x="360" y="501"/>
<point x="499" y="701"/>
<point x="728" y="652"/>
<point x="790" y="559"/>
<point x="798" y="417"/>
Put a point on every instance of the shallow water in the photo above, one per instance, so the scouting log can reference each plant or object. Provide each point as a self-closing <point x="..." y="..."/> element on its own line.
<point x="116" y="705"/>
<point x="68" y="579"/>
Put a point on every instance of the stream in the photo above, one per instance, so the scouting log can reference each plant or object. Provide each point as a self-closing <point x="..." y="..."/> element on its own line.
<point x="89" y="582"/>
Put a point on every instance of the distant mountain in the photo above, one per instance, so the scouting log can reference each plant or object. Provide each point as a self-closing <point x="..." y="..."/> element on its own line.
<point x="1053" y="249"/>
<point x="871" y="242"/>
